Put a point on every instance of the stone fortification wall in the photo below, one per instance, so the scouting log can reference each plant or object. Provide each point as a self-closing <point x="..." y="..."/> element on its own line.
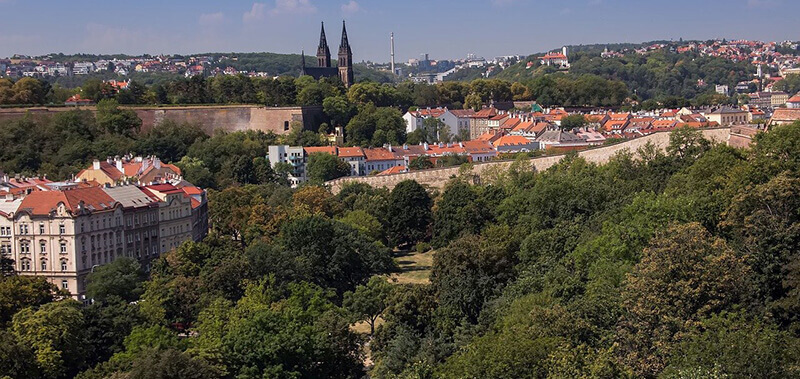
<point x="437" y="178"/>
<point x="210" y="118"/>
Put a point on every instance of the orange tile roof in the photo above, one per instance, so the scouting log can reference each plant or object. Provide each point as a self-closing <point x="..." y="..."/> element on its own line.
<point x="350" y="152"/>
<point x="511" y="140"/>
<point x="41" y="203"/>
<point x="320" y="149"/>
<point x="379" y="154"/>
<point x="523" y="126"/>
<point x="477" y="147"/>
<point x="392" y="170"/>
<point x="485" y="113"/>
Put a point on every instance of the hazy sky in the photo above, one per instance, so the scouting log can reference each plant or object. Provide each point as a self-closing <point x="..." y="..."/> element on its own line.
<point x="444" y="29"/>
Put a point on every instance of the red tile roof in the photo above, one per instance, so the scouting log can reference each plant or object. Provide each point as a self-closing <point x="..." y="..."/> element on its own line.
<point x="43" y="202"/>
<point x="511" y="140"/>
<point x="320" y="149"/>
<point x="350" y="152"/>
<point x="379" y="154"/>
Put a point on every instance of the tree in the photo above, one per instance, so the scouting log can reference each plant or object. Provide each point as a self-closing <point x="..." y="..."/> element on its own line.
<point x="435" y="130"/>
<point x="458" y="210"/>
<point x="18" y="292"/>
<point x="57" y="335"/>
<point x="170" y="364"/>
<point x="473" y="101"/>
<point x="573" y="121"/>
<point x="321" y="251"/>
<point x="687" y="143"/>
<point x="323" y="167"/>
<point x="409" y="214"/>
<point x="339" y="109"/>
<point x="472" y="270"/>
<point x="738" y="347"/>
<point x="368" y="302"/>
<point x="116" y="120"/>
<point x="122" y="278"/>
<point x="296" y="333"/>
<point x="421" y="162"/>
<point x="684" y="276"/>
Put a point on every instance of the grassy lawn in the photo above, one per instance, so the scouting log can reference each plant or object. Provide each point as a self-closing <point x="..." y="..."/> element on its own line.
<point x="415" y="268"/>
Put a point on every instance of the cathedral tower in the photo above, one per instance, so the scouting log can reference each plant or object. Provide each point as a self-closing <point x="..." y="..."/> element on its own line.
<point x="323" y="52"/>
<point x="345" y="59"/>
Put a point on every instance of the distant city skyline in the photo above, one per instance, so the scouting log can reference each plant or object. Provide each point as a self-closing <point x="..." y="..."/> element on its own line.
<point x="442" y="29"/>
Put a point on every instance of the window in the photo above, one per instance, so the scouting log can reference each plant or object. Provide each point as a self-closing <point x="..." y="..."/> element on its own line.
<point x="24" y="247"/>
<point x="23" y="229"/>
<point x="5" y="249"/>
<point x="44" y="264"/>
<point x="63" y="247"/>
<point x="41" y="228"/>
<point x="4" y="231"/>
<point x="25" y="265"/>
<point x="42" y="247"/>
<point x="65" y="284"/>
<point x="63" y="265"/>
<point x="62" y="229"/>
<point x="285" y="126"/>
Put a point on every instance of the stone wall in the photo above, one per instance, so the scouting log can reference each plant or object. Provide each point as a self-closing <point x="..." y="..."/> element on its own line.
<point x="437" y="178"/>
<point x="210" y="118"/>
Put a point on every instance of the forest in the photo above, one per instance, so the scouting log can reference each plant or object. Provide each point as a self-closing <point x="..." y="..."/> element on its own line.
<point x="672" y="264"/>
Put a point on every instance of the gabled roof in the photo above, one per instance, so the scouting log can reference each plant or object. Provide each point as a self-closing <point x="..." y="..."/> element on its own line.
<point x="392" y="170"/>
<point x="477" y="147"/>
<point x="462" y="112"/>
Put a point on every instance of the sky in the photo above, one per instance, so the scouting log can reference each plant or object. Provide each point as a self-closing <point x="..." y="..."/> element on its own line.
<point x="443" y="29"/>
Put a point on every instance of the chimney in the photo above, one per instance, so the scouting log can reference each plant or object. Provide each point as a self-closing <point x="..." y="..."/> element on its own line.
<point x="119" y="164"/>
<point x="157" y="162"/>
<point x="425" y="146"/>
<point x="95" y="164"/>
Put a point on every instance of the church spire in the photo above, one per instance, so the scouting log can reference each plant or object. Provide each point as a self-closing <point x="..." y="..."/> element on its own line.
<point x="345" y="59"/>
<point x="344" y="46"/>
<point x="323" y="52"/>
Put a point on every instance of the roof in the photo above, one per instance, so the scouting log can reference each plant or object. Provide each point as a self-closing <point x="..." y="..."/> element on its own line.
<point x="560" y="136"/>
<point x="44" y="202"/>
<point x="320" y="149"/>
<point x="427" y="112"/>
<point x="350" y="152"/>
<point x="727" y="110"/>
<point x="477" y="147"/>
<point x="786" y="114"/>
<point x="7" y="207"/>
<point x="392" y="170"/>
<point x="462" y="112"/>
<point x="130" y="196"/>
<point x="794" y="99"/>
<point x="511" y="140"/>
<point x="379" y="154"/>
<point x="485" y="113"/>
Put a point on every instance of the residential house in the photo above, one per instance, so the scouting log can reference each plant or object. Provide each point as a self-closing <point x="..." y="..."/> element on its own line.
<point x="727" y="116"/>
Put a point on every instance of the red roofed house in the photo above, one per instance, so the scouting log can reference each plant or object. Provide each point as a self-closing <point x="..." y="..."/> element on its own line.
<point x="138" y="169"/>
<point x="556" y="59"/>
<point x="793" y="102"/>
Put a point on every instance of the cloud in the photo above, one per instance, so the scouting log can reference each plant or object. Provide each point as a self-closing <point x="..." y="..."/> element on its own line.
<point x="293" y="7"/>
<point x="211" y="19"/>
<point x="259" y="11"/>
<point x="351" y="7"/>
<point x="256" y="13"/>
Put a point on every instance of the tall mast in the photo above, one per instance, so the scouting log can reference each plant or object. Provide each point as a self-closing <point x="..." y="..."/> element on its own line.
<point x="392" y="42"/>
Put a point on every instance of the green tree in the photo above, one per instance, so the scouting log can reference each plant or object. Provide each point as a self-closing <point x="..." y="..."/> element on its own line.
<point x="122" y="278"/>
<point x="57" y="335"/>
<point x="322" y="167"/>
<point x="409" y="214"/>
<point x="573" y="121"/>
<point x="18" y="292"/>
<point x="473" y="101"/>
<point x="368" y="302"/>
<point x="116" y="120"/>
<point x="421" y="162"/>
<point x="685" y="275"/>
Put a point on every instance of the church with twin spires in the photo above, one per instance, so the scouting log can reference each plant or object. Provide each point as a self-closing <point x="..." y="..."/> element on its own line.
<point x="324" y="70"/>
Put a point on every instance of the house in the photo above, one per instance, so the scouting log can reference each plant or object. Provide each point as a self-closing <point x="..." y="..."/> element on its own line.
<point x="354" y="156"/>
<point x="414" y="119"/>
<point x="458" y="121"/>
<point x="479" y="122"/>
<point x="555" y="138"/>
<point x="380" y="159"/>
<point x="118" y="170"/>
<point x="77" y="100"/>
<point x="726" y="116"/>
<point x="794" y="102"/>
<point x="514" y="144"/>
<point x="558" y="59"/>
<point x="615" y="126"/>
<point x="783" y="116"/>
<point x="639" y="124"/>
